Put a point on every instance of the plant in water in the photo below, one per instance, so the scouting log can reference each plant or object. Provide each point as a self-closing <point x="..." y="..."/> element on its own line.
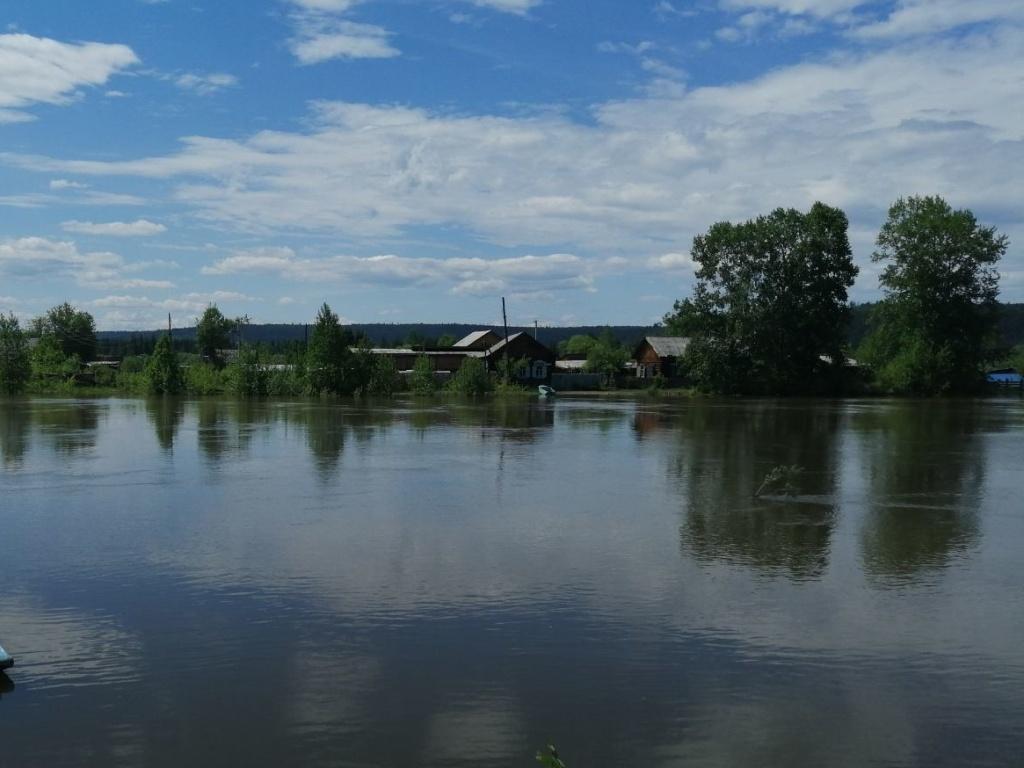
<point x="781" y="478"/>
<point x="549" y="758"/>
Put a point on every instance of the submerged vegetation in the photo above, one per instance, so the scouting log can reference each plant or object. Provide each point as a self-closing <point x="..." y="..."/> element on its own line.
<point x="769" y="313"/>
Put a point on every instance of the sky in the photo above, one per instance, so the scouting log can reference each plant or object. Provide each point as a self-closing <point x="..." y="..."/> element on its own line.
<point x="416" y="160"/>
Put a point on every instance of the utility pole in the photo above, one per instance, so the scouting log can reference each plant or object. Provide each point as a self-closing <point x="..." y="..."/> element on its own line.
<point x="536" y="330"/>
<point x="168" y="323"/>
<point x="504" y="320"/>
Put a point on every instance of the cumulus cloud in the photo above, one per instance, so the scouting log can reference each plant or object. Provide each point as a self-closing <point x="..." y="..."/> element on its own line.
<point x="37" y="257"/>
<point x="207" y="84"/>
<point x="138" y="228"/>
<point x="926" y="17"/>
<point x="467" y="276"/>
<point x="38" y="70"/>
<point x="322" y="33"/>
<point x="644" y="175"/>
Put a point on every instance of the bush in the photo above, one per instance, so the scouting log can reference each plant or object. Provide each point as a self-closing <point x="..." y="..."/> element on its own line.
<point x="246" y="376"/>
<point x="421" y="380"/>
<point x="204" y="379"/>
<point x="472" y="378"/>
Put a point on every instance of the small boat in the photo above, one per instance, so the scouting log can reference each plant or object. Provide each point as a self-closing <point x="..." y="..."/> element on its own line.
<point x="545" y="391"/>
<point x="6" y="660"/>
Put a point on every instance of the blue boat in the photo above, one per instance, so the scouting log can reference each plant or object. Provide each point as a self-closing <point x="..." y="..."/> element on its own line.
<point x="6" y="660"/>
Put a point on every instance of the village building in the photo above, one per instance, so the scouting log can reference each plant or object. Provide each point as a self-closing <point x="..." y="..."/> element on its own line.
<point x="529" y="360"/>
<point x="657" y="355"/>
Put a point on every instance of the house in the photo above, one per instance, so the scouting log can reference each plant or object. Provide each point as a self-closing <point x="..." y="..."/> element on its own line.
<point x="1006" y="377"/>
<point x="478" y="340"/>
<point x="657" y="355"/>
<point x="535" y="361"/>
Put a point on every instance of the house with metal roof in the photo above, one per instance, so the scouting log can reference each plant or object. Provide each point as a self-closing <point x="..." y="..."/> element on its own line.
<point x="657" y="355"/>
<point x="478" y="340"/>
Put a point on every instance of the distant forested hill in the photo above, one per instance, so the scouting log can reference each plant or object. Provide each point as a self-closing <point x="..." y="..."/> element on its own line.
<point x="378" y="334"/>
<point x="1011" y="324"/>
<point x="420" y="334"/>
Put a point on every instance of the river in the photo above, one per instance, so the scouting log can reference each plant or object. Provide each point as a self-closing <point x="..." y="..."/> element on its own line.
<point x="190" y="583"/>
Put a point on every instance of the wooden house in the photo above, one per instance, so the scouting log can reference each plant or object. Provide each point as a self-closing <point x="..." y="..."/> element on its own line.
<point x="657" y="355"/>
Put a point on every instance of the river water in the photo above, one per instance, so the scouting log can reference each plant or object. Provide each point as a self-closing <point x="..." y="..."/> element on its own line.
<point x="190" y="583"/>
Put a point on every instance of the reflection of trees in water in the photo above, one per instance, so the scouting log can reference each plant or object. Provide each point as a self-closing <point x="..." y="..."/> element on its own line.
<point x="71" y="427"/>
<point x="926" y="467"/>
<point x="15" y="420"/>
<point x="603" y="420"/>
<point x="518" y="419"/>
<point x="165" y="414"/>
<point x="724" y="454"/>
<point x="227" y="426"/>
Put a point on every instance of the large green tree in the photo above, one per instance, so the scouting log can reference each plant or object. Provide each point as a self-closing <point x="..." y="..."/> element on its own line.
<point x="163" y="374"/>
<point x="329" y="360"/>
<point x="932" y="331"/>
<point x="213" y="334"/>
<point x="15" y="363"/>
<point x="74" y="330"/>
<point x="770" y="302"/>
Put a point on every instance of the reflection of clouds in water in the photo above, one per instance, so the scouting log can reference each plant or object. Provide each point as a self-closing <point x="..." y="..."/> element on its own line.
<point x="479" y="730"/>
<point x="57" y="648"/>
<point x="323" y="692"/>
<point x="788" y="725"/>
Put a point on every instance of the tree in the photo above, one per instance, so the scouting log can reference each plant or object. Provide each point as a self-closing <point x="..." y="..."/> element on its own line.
<point x="213" y="333"/>
<point x="329" y="357"/>
<point x="383" y="378"/>
<point x="446" y="340"/>
<point x="74" y="330"/>
<point x="580" y="344"/>
<point x="15" y="362"/>
<point x="248" y="376"/>
<point x="472" y="378"/>
<point x="421" y="380"/>
<point x="770" y="302"/>
<point x="48" y="359"/>
<point x="605" y="355"/>
<point x="163" y="374"/>
<point x="932" y="331"/>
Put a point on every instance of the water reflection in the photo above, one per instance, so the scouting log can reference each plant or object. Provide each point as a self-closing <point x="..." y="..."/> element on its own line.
<point x="166" y="415"/>
<point x="926" y="464"/>
<point x="6" y="684"/>
<point x="70" y="426"/>
<point x="722" y="456"/>
<point x="15" y="420"/>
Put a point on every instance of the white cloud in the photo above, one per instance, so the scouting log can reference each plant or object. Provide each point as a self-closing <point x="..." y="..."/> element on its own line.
<point x="59" y="184"/>
<point x="322" y="33"/>
<point x="644" y="175"/>
<point x="925" y="17"/>
<point x="670" y="262"/>
<point x="823" y="9"/>
<point x="519" y="7"/>
<point x="474" y="276"/>
<point x="34" y="258"/>
<point x="205" y="85"/>
<point x="119" y="311"/>
<point x="138" y="228"/>
<point x="38" y="70"/>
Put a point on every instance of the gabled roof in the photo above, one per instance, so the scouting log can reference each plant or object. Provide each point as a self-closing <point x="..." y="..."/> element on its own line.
<point x="472" y="339"/>
<point x="497" y="347"/>
<point x="668" y="346"/>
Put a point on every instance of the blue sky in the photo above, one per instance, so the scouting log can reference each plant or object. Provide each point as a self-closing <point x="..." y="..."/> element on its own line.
<point x="414" y="160"/>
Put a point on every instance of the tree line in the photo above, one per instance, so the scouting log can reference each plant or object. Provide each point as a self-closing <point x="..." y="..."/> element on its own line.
<point x="769" y="312"/>
<point x="49" y="355"/>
